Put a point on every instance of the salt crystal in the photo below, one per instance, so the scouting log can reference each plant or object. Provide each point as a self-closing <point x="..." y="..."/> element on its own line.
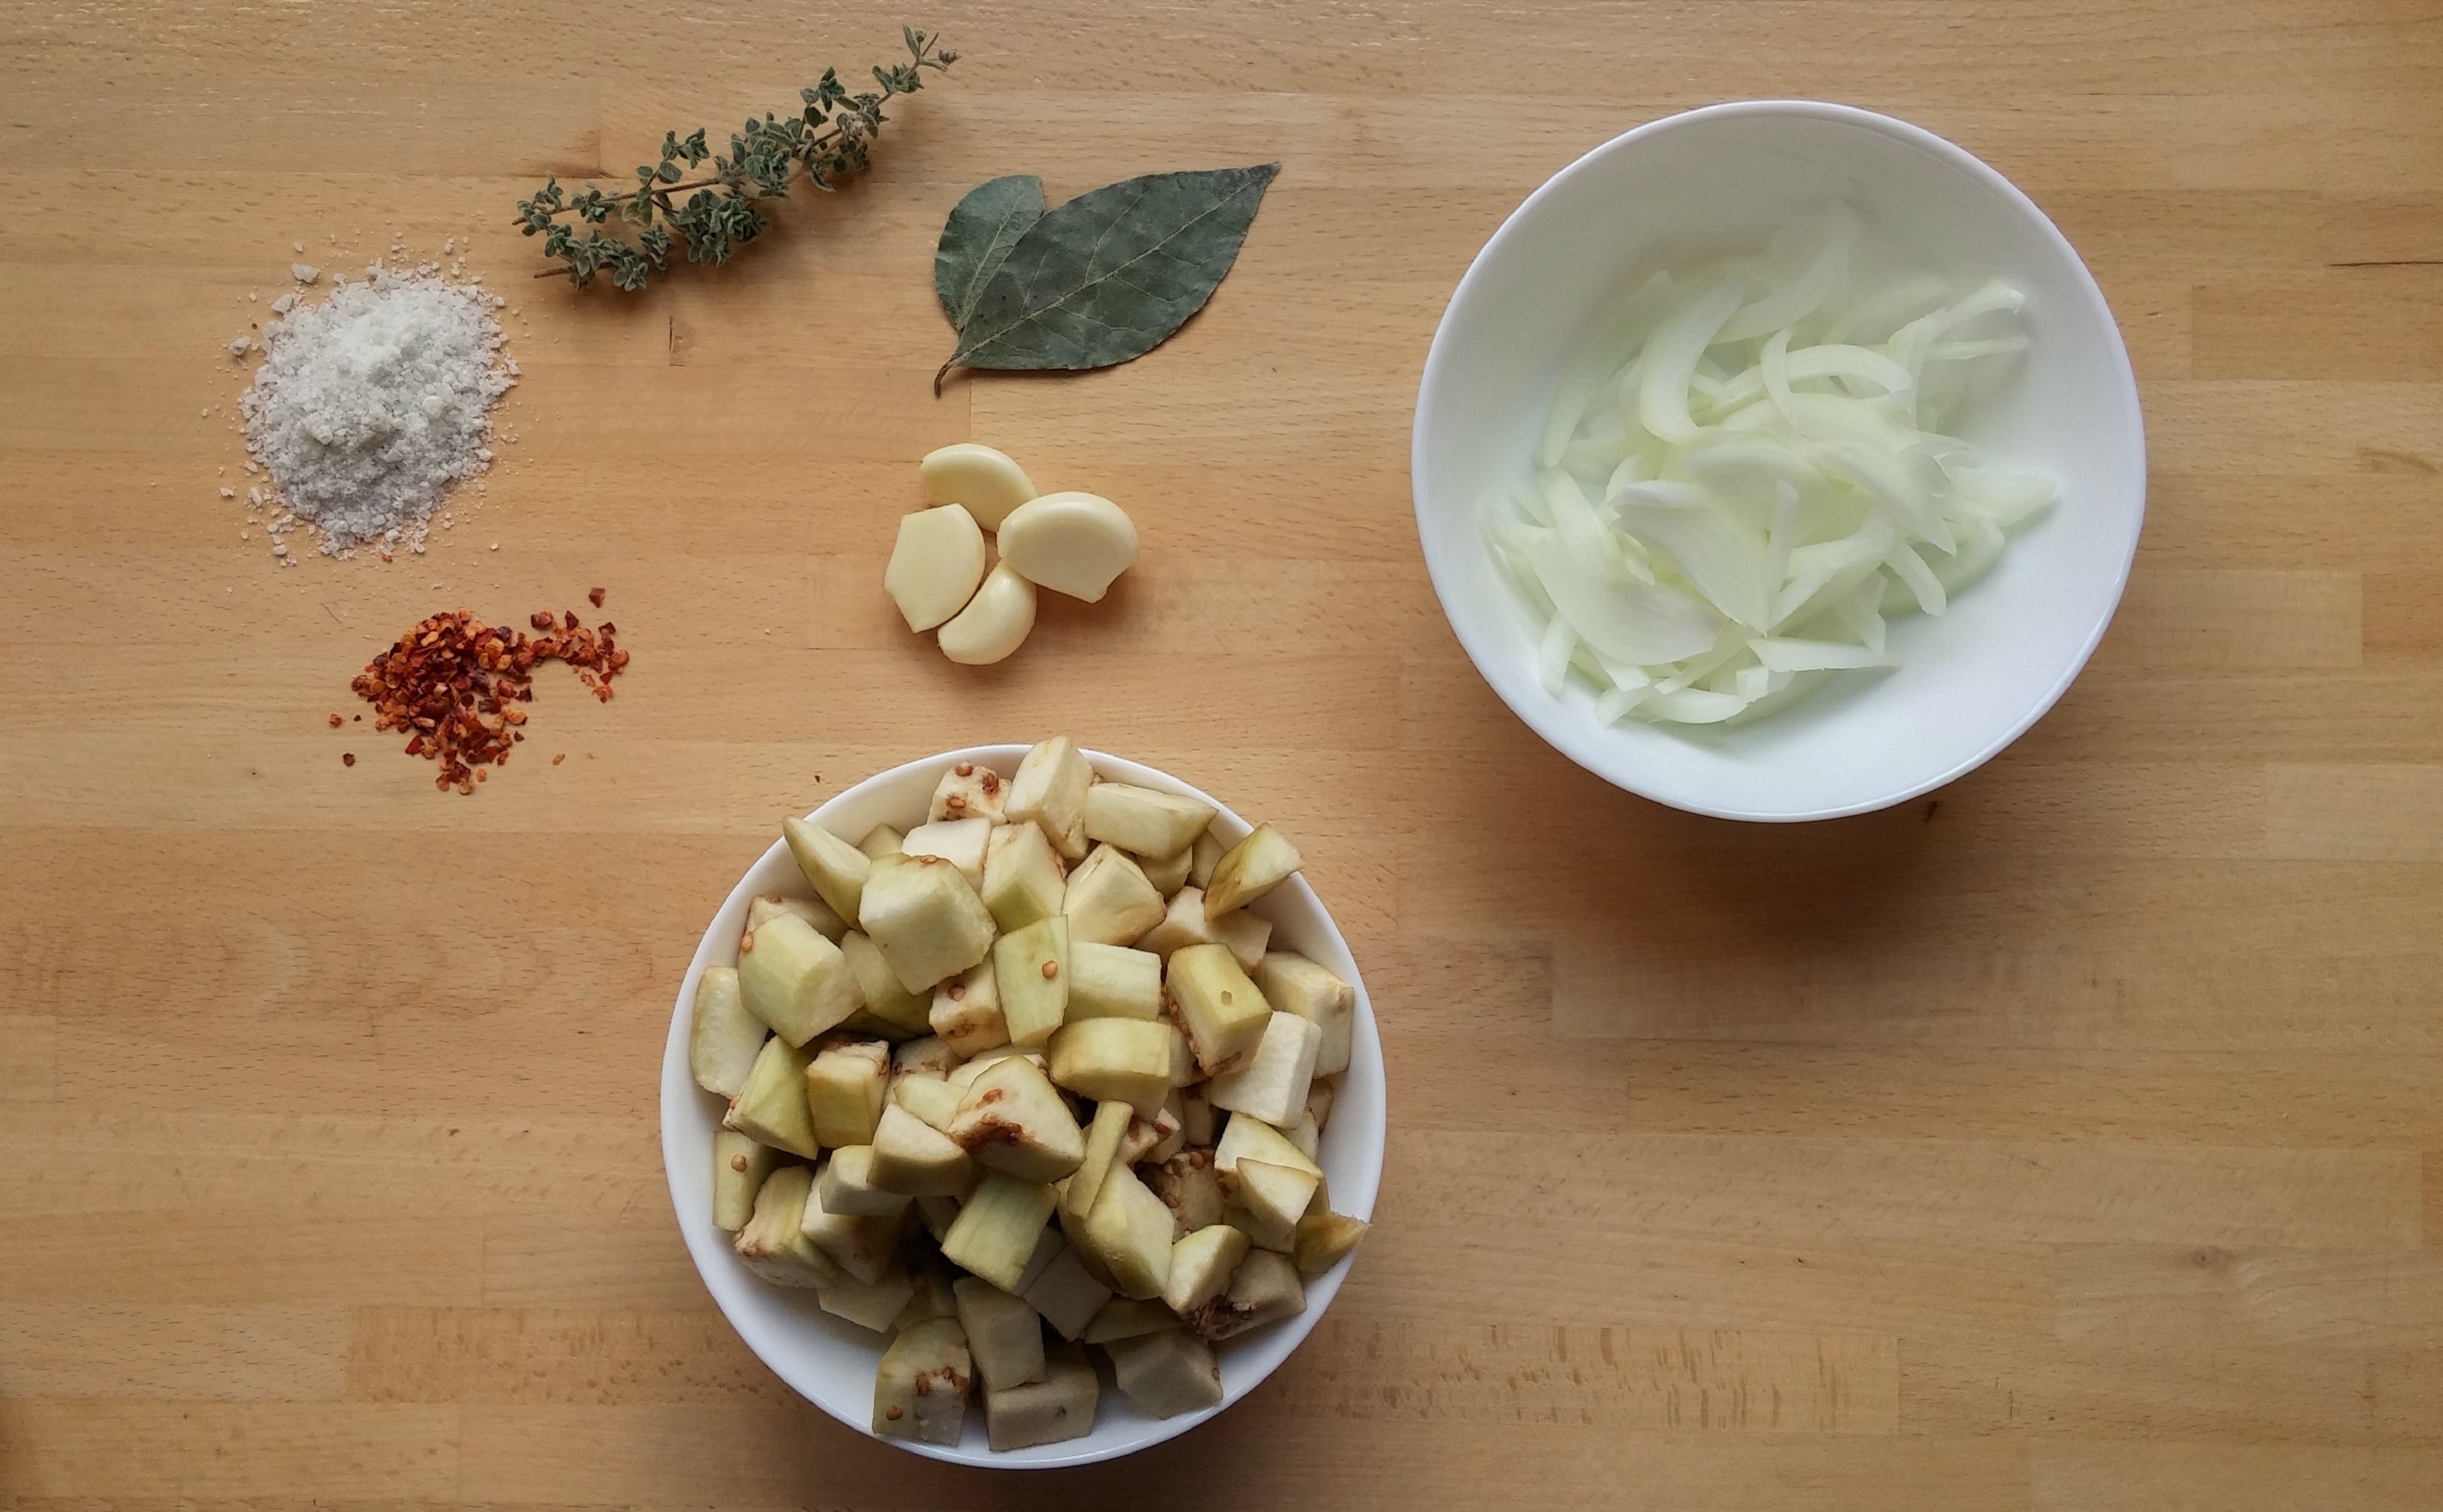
<point x="449" y="242"/>
<point x="374" y="404"/>
<point x="249" y="296"/>
<point x="303" y="273"/>
<point x="229" y="493"/>
<point x="285" y="303"/>
<point x="279" y="548"/>
<point x="496" y="545"/>
<point x="237" y="349"/>
<point x="296" y="246"/>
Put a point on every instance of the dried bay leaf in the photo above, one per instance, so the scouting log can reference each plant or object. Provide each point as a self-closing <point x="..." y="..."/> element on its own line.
<point x="977" y="238"/>
<point x="1109" y="275"/>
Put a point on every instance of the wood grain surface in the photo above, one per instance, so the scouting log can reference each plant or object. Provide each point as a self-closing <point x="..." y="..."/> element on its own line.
<point x="2070" y="1141"/>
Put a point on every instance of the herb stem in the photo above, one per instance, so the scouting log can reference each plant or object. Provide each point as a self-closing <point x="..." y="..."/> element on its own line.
<point x="830" y="138"/>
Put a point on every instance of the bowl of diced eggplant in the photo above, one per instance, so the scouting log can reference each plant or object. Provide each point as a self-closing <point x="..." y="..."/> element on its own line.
<point x="1023" y="1106"/>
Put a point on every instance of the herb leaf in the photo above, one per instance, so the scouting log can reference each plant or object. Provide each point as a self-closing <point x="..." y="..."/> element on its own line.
<point x="831" y="137"/>
<point x="1109" y="275"/>
<point x="977" y="238"/>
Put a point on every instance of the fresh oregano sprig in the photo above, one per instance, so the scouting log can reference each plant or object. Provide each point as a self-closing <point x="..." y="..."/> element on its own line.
<point x="832" y="136"/>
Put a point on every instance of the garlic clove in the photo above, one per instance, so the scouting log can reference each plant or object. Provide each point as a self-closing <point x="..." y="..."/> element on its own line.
<point x="936" y="565"/>
<point x="987" y="482"/>
<point x="995" y="621"/>
<point x="1070" y="543"/>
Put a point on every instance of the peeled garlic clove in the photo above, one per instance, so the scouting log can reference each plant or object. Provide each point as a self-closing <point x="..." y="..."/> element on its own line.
<point x="1070" y="543"/>
<point x="995" y="621"/>
<point x="936" y="565"/>
<point x="987" y="482"/>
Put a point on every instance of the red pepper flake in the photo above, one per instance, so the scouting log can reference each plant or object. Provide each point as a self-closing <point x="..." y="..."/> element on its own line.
<point x="335" y="720"/>
<point x="595" y="597"/>
<point x="455" y="685"/>
<point x="348" y="758"/>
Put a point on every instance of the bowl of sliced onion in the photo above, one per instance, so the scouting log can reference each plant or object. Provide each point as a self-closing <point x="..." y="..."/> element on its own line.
<point x="1778" y="460"/>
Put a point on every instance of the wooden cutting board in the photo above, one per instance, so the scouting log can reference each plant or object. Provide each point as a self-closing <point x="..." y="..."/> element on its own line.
<point x="2068" y="1140"/>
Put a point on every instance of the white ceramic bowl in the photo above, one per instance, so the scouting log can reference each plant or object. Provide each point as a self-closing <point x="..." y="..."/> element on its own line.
<point x="1724" y="179"/>
<point x="831" y="1362"/>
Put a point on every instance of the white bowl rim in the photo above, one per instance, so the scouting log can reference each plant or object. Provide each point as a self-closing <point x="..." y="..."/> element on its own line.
<point x="1544" y="718"/>
<point x="681" y="1099"/>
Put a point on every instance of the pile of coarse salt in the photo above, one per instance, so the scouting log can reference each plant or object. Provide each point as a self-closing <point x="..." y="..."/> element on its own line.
<point x="370" y="406"/>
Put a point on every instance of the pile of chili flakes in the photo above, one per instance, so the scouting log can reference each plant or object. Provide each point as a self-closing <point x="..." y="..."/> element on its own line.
<point x="459" y="686"/>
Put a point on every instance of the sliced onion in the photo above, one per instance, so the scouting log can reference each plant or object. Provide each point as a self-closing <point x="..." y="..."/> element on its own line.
<point x="1719" y="523"/>
<point x="1553" y="656"/>
<point x="1720" y="558"/>
<point x="1779" y="654"/>
<point x="1618" y="330"/>
<point x="1963" y="351"/>
<point x="1918" y="578"/>
<point x="1573" y="516"/>
<point x="1775" y="365"/>
<point x="1829" y="361"/>
<point x="1644" y="624"/>
<point x="2005" y="498"/>
<point x="1802" y="296"/>
<point x="1614" y="705"/>
<point x="1862" y="614"/>
<point x="1669" y="365"/>
<point x="1781" y="538"/>
<point x="1665" y="493"/>
<point x="1695" y="705"/>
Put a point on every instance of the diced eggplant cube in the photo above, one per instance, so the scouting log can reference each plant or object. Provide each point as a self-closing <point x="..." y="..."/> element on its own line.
<point x="1112" y="982"/>
<point x="995" y="1234"/>
<point x="1109" y="900"/>
<point x="1059" y="1407"/>
<point x="1049" y="789"/>
<point x="1293" y="984"/>
<point x="1272" y="1085"/>
<point x="1030" y="977"/>
<point x="1013" y="1119"/>
<point x="836" y="869"/>
<point x="771" y="1108"/>
<point x="1250" y="869"/>
<point x="925" y="918"/>
<point x="740" y="1165"/>
<point x="795" y="980"/>
<point x="1024" y="878"/>
<point x="846" y="1086"/>
<point x="1005" y="1335"/>
<point x="1167" y="1373"/>
<point x="1183" y="923"/>
<point x="920" y="1392"/>
<point x="1141" y="819"/>
<point x="1214" y="1004"/>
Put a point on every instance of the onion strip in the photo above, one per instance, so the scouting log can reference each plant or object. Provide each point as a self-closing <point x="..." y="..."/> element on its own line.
<point x="1730" y="499"/>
